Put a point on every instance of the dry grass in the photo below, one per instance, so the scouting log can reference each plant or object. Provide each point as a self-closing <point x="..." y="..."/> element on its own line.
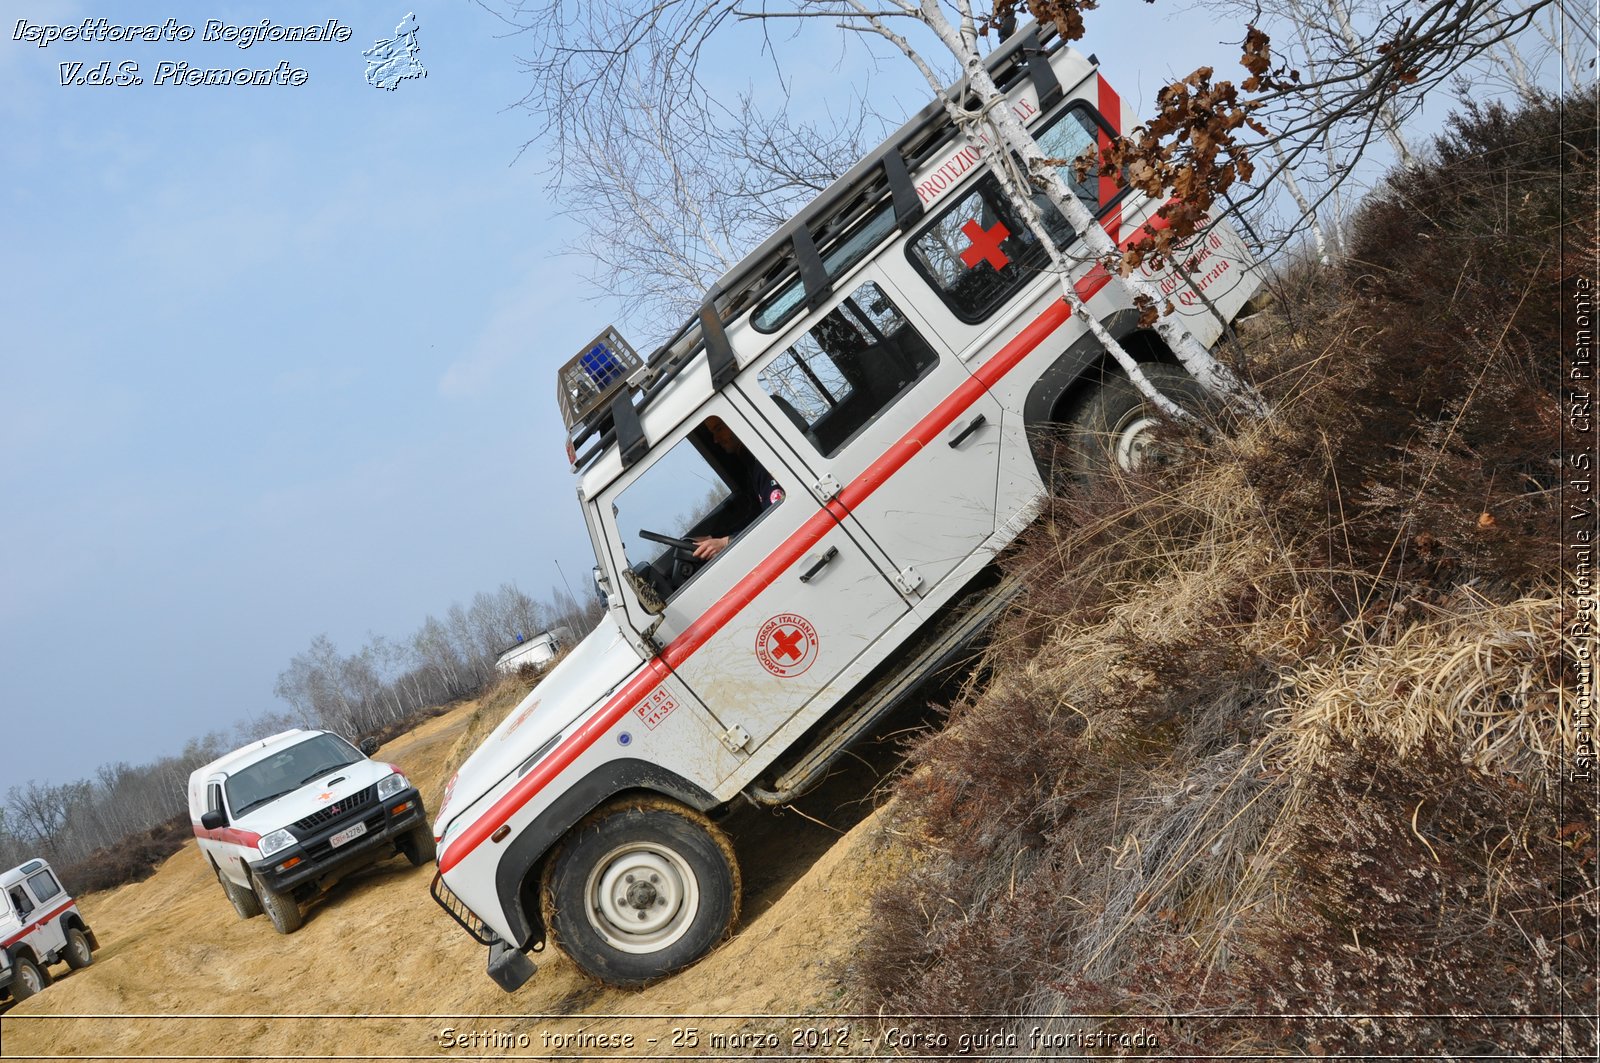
<point x="1476" y="676"/>
<point x="1279" y="728"/>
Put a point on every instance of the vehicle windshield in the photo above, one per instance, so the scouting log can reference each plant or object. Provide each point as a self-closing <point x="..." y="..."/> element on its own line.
<point x="287" y="770"/>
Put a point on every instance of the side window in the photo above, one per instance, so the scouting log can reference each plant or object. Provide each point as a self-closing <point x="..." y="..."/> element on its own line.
<point x="43" y="885"/>
<point x="704" y="492"/>
<point x="851" y="366"/>
<point x="213" y="797"/>
<point x="977" y="252"/>
<point x="1073" y="134"/>
<point x="19" y="901"/>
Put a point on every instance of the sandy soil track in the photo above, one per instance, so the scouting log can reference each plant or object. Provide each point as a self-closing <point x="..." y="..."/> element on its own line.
<point x="380" y="972"/>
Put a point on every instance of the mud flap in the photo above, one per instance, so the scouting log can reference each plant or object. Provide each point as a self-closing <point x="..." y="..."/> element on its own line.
<point x="509" y="968"/>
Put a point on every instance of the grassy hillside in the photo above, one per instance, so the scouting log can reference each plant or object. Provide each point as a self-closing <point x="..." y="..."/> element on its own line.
<point x="1280" y="731"/>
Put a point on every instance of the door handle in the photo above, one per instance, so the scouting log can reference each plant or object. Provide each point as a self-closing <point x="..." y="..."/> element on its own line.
<point x="833" y="552"/>
<point x="971" y="427"/>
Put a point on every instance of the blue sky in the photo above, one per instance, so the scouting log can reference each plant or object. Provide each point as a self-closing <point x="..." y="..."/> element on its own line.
<point x="280" y="360"/>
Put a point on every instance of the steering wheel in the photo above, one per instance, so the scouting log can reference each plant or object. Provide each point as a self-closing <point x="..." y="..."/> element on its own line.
<point x="684" y="563"/>
<point x="682" y="549"/>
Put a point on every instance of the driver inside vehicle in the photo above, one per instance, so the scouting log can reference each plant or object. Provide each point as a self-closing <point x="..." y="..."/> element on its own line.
<point x="695" y="500"/>
<point x="754" y="490"/>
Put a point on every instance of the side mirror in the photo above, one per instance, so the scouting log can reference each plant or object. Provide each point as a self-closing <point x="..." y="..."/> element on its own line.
<point x="368" y="746"/>
<point x="214" y="820"/>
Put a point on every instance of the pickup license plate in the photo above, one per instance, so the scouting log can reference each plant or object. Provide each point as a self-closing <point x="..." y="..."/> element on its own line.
<point x="348" y="833"/>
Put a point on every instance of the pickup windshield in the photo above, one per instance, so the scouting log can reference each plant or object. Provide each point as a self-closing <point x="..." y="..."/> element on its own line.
<point x="287" y="770"/>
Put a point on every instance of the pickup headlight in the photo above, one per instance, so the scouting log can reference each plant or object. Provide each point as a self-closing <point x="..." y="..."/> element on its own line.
<point x="276" y="842"/>
<point x="391" y="785"/>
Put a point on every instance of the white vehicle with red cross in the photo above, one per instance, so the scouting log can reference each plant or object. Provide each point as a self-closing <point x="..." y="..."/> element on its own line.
<point x="39" y="925"/>
<point x="284" y="817"/>
<point x="795" y="506"/>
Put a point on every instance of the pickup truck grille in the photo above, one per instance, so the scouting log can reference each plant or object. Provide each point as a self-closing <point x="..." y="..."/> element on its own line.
<point x="342" y="807"/>
<point x="374" y="821"/>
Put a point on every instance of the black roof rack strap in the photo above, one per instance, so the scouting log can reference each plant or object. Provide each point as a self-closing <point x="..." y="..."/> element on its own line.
<point x="813" y="274"/>
<point x="631" y="443"/>
<point x="719" y="352"/>
<point x="907" y="204"/>
<point x="1043" y="75"/>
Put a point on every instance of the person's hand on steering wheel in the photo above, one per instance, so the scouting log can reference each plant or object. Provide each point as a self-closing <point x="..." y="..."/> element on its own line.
<point x="708" y="546"/>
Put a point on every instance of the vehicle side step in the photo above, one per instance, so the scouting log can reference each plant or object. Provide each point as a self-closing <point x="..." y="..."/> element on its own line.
<point x="965" y="622"/>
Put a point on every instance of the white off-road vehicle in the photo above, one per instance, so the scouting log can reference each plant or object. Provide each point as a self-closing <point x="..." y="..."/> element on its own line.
<point x="283" y="817"/>
<point x="39" y="925"/>
<point x="795" y="506"/>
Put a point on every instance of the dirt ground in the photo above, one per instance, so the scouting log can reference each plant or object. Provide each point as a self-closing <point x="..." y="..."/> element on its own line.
<point x="380" y="972"/>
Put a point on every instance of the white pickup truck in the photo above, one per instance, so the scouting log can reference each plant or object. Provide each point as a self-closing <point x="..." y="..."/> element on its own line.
<point x="285" y="816"/>
<point x="39" y="925"/>
<point x="795" y="505"/>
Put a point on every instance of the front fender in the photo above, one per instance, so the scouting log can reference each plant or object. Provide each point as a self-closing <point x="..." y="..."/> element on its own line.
<point x="515" y="880"/>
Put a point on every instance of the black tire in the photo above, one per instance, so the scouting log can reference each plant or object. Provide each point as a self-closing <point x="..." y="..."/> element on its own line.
<point x="27" y="978"/>
<point x="418" y="846"/>
<point x="78" y="953"/>
<point x="244" y="901"/>
<point x="281" y="908"/>
<point x="647" y="858"/>
<point x="1115" y="425"/>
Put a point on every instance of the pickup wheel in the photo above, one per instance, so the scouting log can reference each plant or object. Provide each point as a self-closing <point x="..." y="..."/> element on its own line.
<point x="244" y="901"/>
<point x="28" y="978"/>
<point x="418" y="846"/>
<point x="639" y="890"/>
<point x="1115" y="425"/>
<point x="281" y="908"/>
<point x="79" y="954"/>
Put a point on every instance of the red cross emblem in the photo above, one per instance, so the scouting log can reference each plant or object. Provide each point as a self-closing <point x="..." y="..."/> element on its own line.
<point x="786" y="645"/>
<point x="985" y="244"/>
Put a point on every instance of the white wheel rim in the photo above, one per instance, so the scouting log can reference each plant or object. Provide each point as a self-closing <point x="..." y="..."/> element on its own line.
<point x="642" y="897"/>
<point x="80" y="949"/>
<point x="1133" y="442"/>
<point x="32" y="979"/>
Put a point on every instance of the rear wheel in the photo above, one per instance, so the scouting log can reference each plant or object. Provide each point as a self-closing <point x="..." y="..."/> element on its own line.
<point x="28" y="978"/>
<point x="1116" y="426"/>
<point x="281" y="908"/>
<point x="79" y="954"/>
<point x="641" y="889"/>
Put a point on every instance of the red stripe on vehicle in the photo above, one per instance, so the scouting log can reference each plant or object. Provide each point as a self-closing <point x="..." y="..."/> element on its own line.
<point x="31" y="927"/>
<point x="987" y="375"/>
<point x="227" y="834"/>
<point x="1111" y="110"/>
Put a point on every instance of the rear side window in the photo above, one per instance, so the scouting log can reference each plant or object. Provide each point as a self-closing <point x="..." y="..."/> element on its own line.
<point x="978" y="251"/>
<point x="848" y="368"/>
<point x="43" y="885"/>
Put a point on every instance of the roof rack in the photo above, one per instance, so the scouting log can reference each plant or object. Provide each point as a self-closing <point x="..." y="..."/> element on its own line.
<point x="882" y="177"/>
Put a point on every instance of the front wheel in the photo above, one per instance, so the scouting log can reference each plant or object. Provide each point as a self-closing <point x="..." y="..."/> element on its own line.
<point x="281" y="908"/>
<point x="79" y="954"/>
<point x="1116" y="426"/>
<point x="244" y="901"/>
<point x="418" y="846"/>
<point x="641" y="889"/>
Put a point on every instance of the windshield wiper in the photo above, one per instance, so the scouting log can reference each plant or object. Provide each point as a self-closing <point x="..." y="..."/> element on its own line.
<point x="320" y="772"/>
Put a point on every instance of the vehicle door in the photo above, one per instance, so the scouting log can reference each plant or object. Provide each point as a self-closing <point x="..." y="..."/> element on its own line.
<point x="222" y="842"/>
<point x="47" y="895"/>
<point x="882" y="414"/>
<point x="789" y="605"/>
